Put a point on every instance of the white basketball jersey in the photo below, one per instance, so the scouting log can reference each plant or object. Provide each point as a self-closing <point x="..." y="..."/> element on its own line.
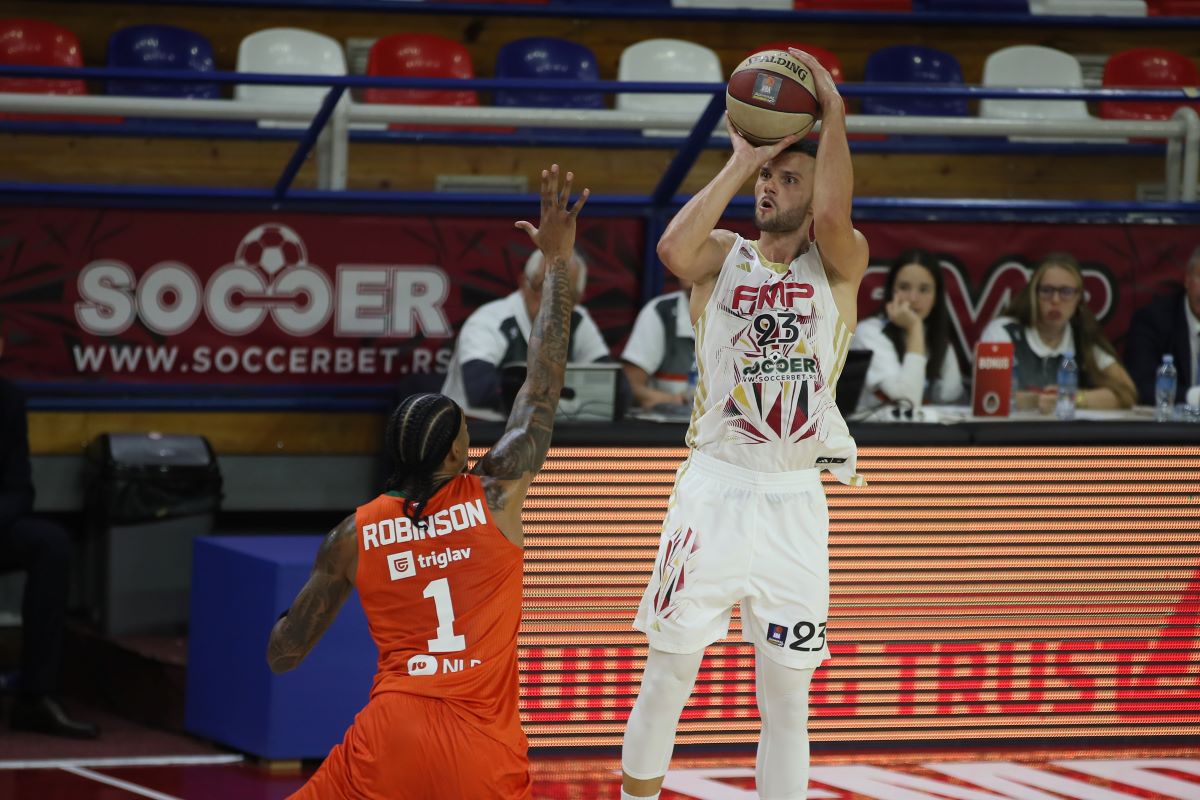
<point x="770" y="345"/>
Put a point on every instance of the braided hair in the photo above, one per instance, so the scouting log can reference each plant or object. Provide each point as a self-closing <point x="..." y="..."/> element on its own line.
<point x="419" y="434"/>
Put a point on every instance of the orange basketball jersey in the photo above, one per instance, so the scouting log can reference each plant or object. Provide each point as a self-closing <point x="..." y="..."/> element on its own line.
<point x="443" y="602"/>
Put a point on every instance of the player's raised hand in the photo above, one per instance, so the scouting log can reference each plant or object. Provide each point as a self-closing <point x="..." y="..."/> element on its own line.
<point x="760" y="154"/>
<point x="827" y="91"/>
<point x="555" y="233"/>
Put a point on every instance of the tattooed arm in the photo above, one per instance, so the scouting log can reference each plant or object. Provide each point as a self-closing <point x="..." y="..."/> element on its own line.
<point x="314" y="608"/>
<point x="510" y="466"/>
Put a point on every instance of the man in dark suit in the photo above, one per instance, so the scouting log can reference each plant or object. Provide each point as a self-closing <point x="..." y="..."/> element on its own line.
<point x="1170" y="324"/>
<point x="43" y="550"/>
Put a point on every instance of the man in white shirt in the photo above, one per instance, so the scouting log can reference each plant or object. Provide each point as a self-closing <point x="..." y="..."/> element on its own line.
<point x="1169" y="324"/>
<point x="661" y="351"/>
<point x="498" y="334"/>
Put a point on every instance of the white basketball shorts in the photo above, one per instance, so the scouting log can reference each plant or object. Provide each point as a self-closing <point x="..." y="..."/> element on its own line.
<point x="736" y="535"/>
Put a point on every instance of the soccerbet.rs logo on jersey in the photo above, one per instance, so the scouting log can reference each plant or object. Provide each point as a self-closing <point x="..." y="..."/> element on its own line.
<point x="774" y="349"/>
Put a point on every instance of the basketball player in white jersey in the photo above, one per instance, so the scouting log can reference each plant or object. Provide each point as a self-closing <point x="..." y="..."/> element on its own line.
<point x="747" y="521"/>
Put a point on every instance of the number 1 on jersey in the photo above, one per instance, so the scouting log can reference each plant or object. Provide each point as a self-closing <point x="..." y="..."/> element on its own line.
<point x="447" y="640"/>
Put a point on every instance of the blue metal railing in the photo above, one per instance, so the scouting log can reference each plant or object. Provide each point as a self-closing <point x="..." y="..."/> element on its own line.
<point x="947" y="91"/>
<point x="635" y="11"/>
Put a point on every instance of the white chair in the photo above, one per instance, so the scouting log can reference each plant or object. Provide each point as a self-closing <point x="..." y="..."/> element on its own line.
<point x="1089" y="8"/>
<point x="288" y="51"/>
<point x="668" y="60"/>
<point x="1033" y="66"/>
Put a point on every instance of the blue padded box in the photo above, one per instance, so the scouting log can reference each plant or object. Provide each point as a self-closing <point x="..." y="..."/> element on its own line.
<point x="240" y="584"/>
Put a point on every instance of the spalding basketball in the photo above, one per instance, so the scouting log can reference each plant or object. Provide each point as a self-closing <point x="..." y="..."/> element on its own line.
<point x="771" y="95"/>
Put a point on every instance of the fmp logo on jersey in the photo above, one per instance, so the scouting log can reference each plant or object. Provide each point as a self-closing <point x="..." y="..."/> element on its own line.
<point x="401" y="565"/>
<point x="749" y="298"/>
<point x="776" y="634"/>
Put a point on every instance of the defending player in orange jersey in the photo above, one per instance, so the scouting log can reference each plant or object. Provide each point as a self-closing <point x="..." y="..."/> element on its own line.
<point x="437" y="562"/>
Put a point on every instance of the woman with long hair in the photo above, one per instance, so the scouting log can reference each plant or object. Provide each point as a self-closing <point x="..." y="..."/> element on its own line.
<point x="912" y="360"/>
<point x="1049" y="318"/>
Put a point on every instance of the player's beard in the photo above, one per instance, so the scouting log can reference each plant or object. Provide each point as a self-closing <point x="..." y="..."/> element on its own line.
<point x="780" y="221"/>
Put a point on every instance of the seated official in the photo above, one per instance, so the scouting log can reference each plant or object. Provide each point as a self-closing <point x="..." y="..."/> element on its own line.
<point x="1170" y="324"/>
<point x="661" y="351"/>
<point x="42" y="549"/>
<point x="1049" y="318"/>
<point x="912" y="361"/>
<point x="498" y="334"/>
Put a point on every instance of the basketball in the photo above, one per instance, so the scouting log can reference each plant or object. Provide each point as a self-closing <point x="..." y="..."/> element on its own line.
<point x="771" y="95"/>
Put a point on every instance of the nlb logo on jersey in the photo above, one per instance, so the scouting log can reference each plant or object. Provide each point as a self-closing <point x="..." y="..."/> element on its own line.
<point x="424" y="664"/>
<point x="749" y="298"/>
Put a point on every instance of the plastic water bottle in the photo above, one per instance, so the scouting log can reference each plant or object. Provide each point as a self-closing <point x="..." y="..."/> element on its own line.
<point x="1068" y="386"/>
<point x="1164" y="389"/>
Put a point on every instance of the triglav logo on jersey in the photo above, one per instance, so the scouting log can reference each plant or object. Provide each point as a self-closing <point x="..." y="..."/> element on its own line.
<point x="778" y="370"/>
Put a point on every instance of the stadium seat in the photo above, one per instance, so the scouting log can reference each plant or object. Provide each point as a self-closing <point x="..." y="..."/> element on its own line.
<point x="288" y="51"/>
<point x="36" y="43"/>
<point x="669" y="60"/>
<point x="891" y="6"/>
<point x="547" y="58"/>
<point x="779" y="5"/>
<point x="418" y="55"/>
<point x="1146" y="68"/>
<point x="1034" y="66"/>
<point x="1173" y="8"/>
<point x="913" y="64"/>
<point x="161" y="47"/>
<point x="973" y="6"/>
<point x="1089" y="8"/>
<point x="828" y="60"/>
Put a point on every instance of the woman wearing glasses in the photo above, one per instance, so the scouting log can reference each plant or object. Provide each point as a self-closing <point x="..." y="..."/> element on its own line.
<point x="1049" y="318"/>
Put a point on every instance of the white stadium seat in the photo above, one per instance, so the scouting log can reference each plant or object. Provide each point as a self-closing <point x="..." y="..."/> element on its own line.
<point x="288" y="51"/>
<point x="668" y="60"/>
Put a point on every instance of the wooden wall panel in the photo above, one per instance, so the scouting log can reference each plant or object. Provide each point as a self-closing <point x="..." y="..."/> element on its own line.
<point x="230" y="433"/>
<point x="193" y="162"/>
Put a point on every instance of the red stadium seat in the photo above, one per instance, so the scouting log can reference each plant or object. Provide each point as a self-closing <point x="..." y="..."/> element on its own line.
<point x="35" y="43"/>
<point x="1174" y="8"/>
<point x="420" y="55"/>
<point x="1146" y="67"/>
<point x="827" y="59"/>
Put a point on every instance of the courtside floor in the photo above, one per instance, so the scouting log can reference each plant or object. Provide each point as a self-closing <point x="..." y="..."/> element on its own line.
<point x="1017" y="773"/>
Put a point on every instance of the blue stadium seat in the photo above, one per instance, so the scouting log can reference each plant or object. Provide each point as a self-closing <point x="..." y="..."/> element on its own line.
<point x="547" y="58"/>
<point x="161" y="47"/>
<point x="913" y="64"/>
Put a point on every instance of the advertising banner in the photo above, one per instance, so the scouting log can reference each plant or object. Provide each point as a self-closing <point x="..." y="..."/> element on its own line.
<point x="249" y="298"/>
